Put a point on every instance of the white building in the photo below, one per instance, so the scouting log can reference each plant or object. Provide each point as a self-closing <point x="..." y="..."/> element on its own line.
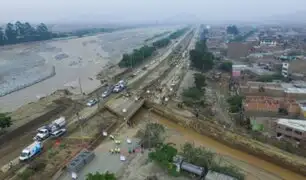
<point x="291" y="129"/>
<point x="285" y="68"/>
<point x="268" y="43"/>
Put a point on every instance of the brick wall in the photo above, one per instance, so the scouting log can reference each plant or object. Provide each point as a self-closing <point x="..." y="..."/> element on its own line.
<point x="270" y="104"/>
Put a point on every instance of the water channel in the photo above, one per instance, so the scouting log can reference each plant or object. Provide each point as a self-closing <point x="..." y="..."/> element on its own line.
<point x="254" y="167"/>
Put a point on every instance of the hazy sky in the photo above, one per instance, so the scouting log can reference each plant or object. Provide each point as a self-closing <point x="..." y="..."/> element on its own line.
<point x="143" y="10"/>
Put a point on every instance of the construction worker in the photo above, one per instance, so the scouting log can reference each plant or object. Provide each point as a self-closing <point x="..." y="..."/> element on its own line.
<point x="111" y="151"/>
<point x="111" y="136"/>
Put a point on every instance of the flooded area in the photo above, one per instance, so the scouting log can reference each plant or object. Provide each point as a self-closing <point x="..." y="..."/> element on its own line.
<point x="254" y="167"/>
<point x="72" y="59"/>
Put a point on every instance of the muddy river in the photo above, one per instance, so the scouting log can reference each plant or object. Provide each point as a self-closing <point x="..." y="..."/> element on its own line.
<point x="254" y="167"/>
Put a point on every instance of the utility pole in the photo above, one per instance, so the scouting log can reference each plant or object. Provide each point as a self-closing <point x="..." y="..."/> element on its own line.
<point x="150" y="133"/>
<point x="82" y="136"/>
<point x="98" y="99"/>
<point x="80" y="85"/>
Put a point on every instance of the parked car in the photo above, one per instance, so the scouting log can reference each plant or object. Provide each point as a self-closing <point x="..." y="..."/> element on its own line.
<point x="106" y="93"/>
<point x="92" y="102"/>
<point x="58" y="133"/>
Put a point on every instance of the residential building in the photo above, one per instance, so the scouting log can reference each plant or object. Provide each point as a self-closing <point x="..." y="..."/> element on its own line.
<point x="291" y="129"/>
<point x="303" y="109"/>
<point x="285" y="69"/>
<point x="268" y="42"/>
<point x="270" y="106"/>
<point x="294" y="90"/>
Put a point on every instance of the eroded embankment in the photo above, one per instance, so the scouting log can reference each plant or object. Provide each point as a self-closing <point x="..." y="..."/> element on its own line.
<point x="263" y="155"/>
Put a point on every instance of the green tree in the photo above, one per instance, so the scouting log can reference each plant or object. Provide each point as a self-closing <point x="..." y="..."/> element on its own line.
<point x="20" y="31"/>
<point x="193" y="93"/>
<point x="201" y="59"/>
<point x="178" y="33"/>
<point x="5" y="121"/>
<point x="232" y="30"/>
<point x="235" y="103"/>
<point x="10" y="33"/>
<point x="197" y="155"/>
<point x="29" y="32"/>
<point x="139" y="55"/>
<point x="42" y="32"/>
<point x="199" y="81"/>
<point x="162" y="43"/>
<point x="163" y="155"/>
<point x="153" y="135"/>
<point x="2" y="38"/>
<point x="99" y="176"/>
<point x="226" y="66"/>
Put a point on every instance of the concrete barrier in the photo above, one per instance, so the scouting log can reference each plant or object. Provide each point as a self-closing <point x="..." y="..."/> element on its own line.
<point x="5" y="91"/>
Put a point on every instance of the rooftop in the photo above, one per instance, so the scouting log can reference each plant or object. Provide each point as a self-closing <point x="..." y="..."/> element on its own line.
<point x="297" y="87"/>
<point x="293" y="123"/>
<point x="295" y="90"/>
<point x="239" y="66"/>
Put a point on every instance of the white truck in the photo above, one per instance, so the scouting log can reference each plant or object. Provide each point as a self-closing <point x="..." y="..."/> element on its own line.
<point x="45" y="131"/>
<point x="30" y="151"/>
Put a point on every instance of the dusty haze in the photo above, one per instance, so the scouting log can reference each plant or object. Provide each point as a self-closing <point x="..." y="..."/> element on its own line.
<point x="138" y="11"/>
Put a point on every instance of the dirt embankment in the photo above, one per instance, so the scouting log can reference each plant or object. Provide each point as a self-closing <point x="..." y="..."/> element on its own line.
<point x="15" y="140"/>
<point x="234" y="140"/>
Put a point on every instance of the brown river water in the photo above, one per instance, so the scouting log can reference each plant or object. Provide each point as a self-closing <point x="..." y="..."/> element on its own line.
<point x="254" y="167"/>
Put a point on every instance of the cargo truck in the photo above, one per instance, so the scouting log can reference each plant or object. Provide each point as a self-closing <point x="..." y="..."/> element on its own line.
<point x="45" y="131"/>
<point x="31" y="151"/>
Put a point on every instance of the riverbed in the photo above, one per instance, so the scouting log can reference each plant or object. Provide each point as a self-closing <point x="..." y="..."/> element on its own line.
<point x="76" y="62"/>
